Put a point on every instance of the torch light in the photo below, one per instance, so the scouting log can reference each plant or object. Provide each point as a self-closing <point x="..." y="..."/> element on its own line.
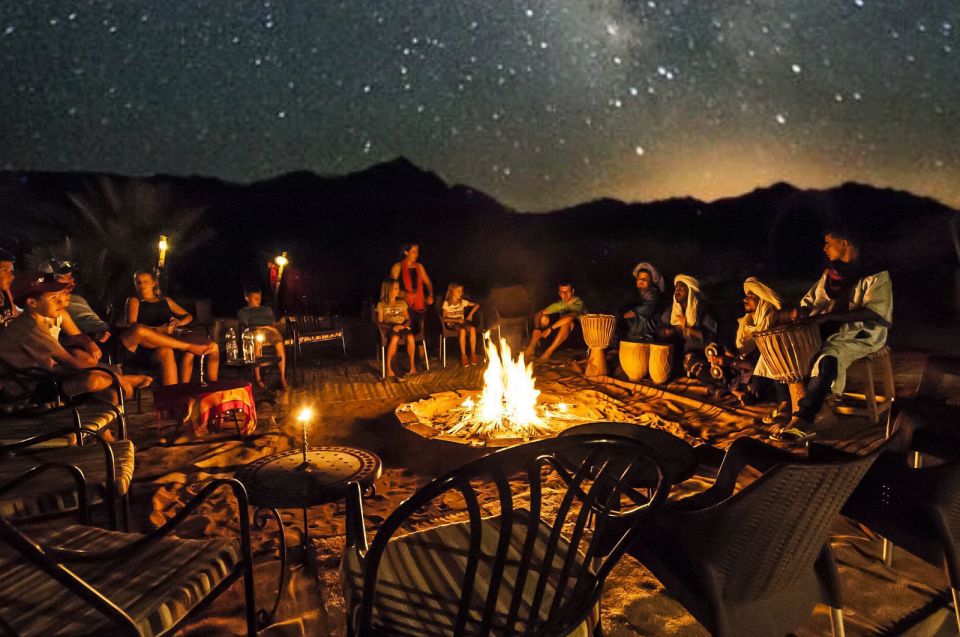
<point x="304" y="417"/>
<point x="162" y="247"/>
<point x="281" y="261"/>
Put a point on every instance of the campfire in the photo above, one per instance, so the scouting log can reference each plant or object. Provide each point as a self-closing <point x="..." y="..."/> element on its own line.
<point x="508" y="409"/>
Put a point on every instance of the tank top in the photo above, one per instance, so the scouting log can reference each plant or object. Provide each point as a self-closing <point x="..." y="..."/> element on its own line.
<point x="154" y="313"/>
<point x="411" y="284"/>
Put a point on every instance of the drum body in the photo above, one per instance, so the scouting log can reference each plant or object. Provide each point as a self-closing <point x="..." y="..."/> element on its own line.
<point x="597" y="329"/>
<point x="789" y="350"/>
<point x="661" y="363"/>
<point x="634" y="359"/>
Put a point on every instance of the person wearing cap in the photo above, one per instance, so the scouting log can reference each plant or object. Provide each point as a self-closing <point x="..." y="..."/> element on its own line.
<point x="690" y="323"/>
<point x="83" y="329"/>
<point x="27" y="340"/>
<point x="8" y="309"/>
<point x="641" y="319"/>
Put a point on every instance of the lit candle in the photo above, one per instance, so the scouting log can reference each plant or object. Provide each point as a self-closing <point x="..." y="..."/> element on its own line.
<point x="304" y="418"/>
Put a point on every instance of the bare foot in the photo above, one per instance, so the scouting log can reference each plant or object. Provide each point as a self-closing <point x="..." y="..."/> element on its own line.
<point x="202" y="349"/>
<point x="545" y="356"/>
<point x="283" y="384"/>
<point x="139" y="380"/>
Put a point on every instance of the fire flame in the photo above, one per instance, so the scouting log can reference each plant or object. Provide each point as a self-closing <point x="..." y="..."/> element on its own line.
<point x="508" y="404"/>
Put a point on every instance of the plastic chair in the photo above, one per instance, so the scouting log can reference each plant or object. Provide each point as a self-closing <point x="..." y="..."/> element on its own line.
<point x="419" y="340"/>
<point x="510" y="574"/>
<point x="915" y="507"/>
<point x="510" y="307"/>
<point x="754" y="562"/>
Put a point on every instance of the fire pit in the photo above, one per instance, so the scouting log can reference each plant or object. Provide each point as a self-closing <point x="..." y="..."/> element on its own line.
<point x="509" y="409"/>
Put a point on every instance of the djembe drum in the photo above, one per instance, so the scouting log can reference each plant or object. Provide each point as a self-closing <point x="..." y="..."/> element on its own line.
<point x="661" y="363"/>
<point x="789" y="351"/>
<point x="597" y="330"/>
<point x="634" y="359"/>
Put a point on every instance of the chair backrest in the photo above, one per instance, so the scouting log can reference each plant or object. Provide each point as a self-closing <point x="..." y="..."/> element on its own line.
<point x="511" y="302"/>
<point x="766" y="538"/>
<point x="203" y="311"/>
<point x="550" y="587"/>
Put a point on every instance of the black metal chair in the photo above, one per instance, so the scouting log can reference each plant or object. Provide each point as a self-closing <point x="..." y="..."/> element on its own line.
<point x="33" y="402"/>
<point x="85" y="580"/>
<point x="914" y="507"/>
<point x="509" y="574"/>
<point x="106" y="470"/>
<point x="754" y="562"/>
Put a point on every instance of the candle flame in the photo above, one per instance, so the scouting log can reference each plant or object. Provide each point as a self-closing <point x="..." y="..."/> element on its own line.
<point x="305" y="415"/>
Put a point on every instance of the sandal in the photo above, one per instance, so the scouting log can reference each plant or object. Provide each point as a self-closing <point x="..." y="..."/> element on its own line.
<point x="776" y="416"/>
<point x="793" y="434"/>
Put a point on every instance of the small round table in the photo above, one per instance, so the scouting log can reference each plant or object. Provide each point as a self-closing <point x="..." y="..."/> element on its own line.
<point x="297" y="479"/>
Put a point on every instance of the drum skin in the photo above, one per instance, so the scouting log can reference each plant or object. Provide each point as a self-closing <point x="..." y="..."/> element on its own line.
<point x="597" y="329"/>
<point x="789" y="350"/>
<point x="661" y="363"/>
<point x="634" y="359"/>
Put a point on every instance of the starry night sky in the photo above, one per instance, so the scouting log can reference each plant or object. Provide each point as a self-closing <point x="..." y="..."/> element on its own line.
<point x="541" y="103"/>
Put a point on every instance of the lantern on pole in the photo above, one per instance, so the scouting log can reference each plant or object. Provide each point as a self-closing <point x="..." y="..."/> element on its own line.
<point x="279" y="263"/>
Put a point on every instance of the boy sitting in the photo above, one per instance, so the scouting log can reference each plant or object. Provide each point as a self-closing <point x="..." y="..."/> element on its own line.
<point x="261" y="319"/>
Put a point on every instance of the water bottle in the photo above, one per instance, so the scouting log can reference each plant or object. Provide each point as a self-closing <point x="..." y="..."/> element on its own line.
<point x="232" y="353"/>
<point x="248" y="345"/>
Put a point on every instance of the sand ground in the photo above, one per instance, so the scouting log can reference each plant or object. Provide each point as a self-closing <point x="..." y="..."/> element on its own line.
<point x="356" y="409"/>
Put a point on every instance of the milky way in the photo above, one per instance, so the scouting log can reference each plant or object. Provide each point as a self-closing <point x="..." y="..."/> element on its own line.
<point x="541" y="103"/>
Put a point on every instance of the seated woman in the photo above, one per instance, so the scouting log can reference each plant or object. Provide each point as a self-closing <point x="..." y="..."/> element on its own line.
<point x="164" y="316"/>
<point x="393" y="319"/>
<point x="458" y="315"/>
<point x="639" y="321"/>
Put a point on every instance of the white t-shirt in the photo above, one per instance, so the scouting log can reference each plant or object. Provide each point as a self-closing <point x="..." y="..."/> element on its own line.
<point x="454" y="312"/>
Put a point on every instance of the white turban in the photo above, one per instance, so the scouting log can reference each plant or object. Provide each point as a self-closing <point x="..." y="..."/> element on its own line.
<point x="768" y="302"/>
<point x="693" y="301"/>
<point x="655" y="277"/>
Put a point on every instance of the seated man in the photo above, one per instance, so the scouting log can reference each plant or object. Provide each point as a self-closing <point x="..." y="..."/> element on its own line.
<point x="642" y="318"/>
<point x="853" y="303"/>
<point x="261" y="317"/>
<point x="27" y="341"/>
<point x="744" y="372"/>
<point x="560" y="317"/>
<point x="8" y="309"/>
<point x="690" y="324"/>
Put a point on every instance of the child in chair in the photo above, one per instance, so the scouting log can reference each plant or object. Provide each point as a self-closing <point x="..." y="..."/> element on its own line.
<point x="458" y="314"/>
<point x="261" y="320"/>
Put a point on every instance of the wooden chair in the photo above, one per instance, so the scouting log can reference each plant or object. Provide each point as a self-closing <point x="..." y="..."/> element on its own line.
<point x="754" y="562"/>
<point x="106" y="473"/>
<point x="510" y="574"/>
<point x="85" y="580"/>
<point x="870" y="404"/>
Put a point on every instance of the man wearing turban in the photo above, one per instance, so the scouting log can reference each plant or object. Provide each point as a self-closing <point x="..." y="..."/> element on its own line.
<point x="691" y="323"/>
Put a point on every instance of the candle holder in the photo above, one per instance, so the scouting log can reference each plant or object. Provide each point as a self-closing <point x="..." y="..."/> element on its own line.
<point x="304" y="418"/>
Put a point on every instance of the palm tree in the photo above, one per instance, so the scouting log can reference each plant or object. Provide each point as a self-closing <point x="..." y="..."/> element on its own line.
<point x="116" y="230"/>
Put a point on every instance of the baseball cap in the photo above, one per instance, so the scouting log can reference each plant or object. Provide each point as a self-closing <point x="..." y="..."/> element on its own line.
<point x="29" y="284"/>
<point x="58" y="267"/>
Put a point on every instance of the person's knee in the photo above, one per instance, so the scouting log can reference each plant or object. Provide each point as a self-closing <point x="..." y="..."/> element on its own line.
<point x="828" y="366"/>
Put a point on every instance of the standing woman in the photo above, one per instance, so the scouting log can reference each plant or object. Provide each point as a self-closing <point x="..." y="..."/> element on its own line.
<point x="149" y="308"/>
<point x="415" y="285"/>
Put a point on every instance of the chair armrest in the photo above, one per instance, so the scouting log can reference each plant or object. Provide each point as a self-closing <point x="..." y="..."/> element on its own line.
<point x="79" y="431"/>
<point x="239" y="492"/>
<point x="748" y="452"/>
<point x="114" y="379"/>
<point x="80" y="482"/>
